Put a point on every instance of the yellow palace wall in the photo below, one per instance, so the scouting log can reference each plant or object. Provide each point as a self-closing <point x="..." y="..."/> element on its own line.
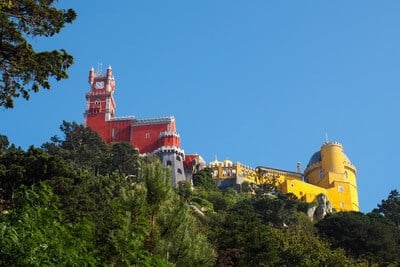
<point x="329" y="172"/>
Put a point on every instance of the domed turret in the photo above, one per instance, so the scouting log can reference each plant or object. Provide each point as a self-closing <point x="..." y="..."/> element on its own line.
<point x="331" y="169"/>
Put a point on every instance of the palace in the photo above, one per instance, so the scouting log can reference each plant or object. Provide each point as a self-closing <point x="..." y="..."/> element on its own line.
<point x="149" y="135"/>
<point x="329" y="171"/>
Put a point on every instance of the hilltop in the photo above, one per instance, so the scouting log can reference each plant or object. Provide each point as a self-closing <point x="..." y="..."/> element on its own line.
<point x="79" y="201"/>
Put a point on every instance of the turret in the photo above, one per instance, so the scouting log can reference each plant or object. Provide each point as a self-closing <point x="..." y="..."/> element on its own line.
<point x="109" y="72"/>
<point x="110" y="81"/>
<point x="331" y="169"/>
<point x="91" y="76"/>
<point x="332" y="157"/>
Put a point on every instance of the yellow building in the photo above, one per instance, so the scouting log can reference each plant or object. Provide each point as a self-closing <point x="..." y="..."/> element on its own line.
<point x="332" y="170"/>
<point x="328" y="172"/>
<point x="229" y="174"/>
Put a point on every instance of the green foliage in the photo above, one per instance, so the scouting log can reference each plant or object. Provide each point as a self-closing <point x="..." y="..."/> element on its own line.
<point x="390" y="207"/>
<point x="82" y="146"/>
<point x="4" y="143"/>
<point x="117" y="219"/>
<point x="174" y="234"/>
<point x="184" y="190"/>
<point x="124" y="159"/>
<point x="18" y="167"/>
<point x="35" y="233"/>
<point x="22" y="69"/>
<point x="121" y="211"/>
<point x="371" y="237"/>
<point x="252" y="233"/>
<point x="85" y="148"/>
<point x="203" y="178"/>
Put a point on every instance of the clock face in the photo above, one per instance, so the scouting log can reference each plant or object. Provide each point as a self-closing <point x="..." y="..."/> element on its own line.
<point x="99" y="85"/>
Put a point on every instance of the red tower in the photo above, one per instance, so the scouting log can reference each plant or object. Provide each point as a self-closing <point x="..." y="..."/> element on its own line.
<point x="149" y="135"/>
<point x="100" y="104"/>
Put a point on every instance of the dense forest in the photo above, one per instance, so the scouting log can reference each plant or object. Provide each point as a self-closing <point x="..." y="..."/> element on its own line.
<point x="81" y="202"/>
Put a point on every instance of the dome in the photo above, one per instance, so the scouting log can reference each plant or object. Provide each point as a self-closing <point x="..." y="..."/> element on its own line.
<point x="215" y="162"/>
<point x="227" y="162"/>
<point x="315" y="158"/>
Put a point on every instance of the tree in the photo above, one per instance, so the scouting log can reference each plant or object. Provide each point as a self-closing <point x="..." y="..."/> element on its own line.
<point x="279" y="210"/>
<point x="4" y="143"/>
<point x="370" y="237"/>
<point x="242" y="239"/>
<point x="390" y="207"/>
<point x="35" y="233"/>
<point x="82" y="146"/>
<point x="22" y="69"/>
<point x="203" y="178"/>
<point x="18" y="167"/>
<point x="245" y="236"/>
<point x="174" y="233"/>
<point x="124" y="159"/>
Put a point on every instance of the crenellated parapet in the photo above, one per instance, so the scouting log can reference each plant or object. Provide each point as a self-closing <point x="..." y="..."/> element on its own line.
<point x="156" y="120"/>
<point x="168" y="138"/>
<point x="223" y="170"/>
<point x="170" y="149"/>
<point x="124" y="118"/>
<point x="332" y="143"/>
<point x="168" y="134"/>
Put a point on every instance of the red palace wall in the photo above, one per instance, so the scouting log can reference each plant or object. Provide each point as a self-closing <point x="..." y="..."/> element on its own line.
<point x="119" y="131"/>
<point x="145" y="137"/>
<point x="98" y="124"/>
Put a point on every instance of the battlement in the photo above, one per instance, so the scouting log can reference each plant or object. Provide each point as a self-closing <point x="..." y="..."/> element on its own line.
<point x="168" y="134"/>
<point x="171" y="149"/>
<point x="268" y="170"/>
<point x="154" y="120"/>
<point x="328" y="143"/>
<point x="98" y="93"/>
<point x="124" y="118"/>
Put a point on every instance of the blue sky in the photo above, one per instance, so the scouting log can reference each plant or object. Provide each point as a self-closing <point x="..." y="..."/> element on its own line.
<point x="260" y="82"/>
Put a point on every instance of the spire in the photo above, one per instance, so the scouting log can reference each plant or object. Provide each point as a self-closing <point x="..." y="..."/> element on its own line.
<point x="91" y="76"/>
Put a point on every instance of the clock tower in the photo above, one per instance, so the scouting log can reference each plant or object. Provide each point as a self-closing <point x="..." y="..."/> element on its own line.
<point x="157" y="136"/>
<point x="100" y="104"/>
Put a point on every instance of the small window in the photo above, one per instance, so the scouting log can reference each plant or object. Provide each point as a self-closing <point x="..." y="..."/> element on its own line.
<point x="340" y="189"/>
<point x="342" y="204"/>
<point x="169" y="163"/>
<point x="179" y="171"/>
<point x="113" y="133"/>
<point x="178" y="158"/>
<point x="147" y="136"/>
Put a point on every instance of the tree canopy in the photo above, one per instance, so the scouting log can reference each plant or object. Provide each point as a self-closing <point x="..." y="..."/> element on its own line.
<point x="24" y="70"/>
<point x="390" y="207"/>
<point x="79" y="201"/>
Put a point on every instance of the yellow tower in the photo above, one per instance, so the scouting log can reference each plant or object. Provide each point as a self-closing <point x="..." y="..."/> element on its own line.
<point x="331" y="169"/>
